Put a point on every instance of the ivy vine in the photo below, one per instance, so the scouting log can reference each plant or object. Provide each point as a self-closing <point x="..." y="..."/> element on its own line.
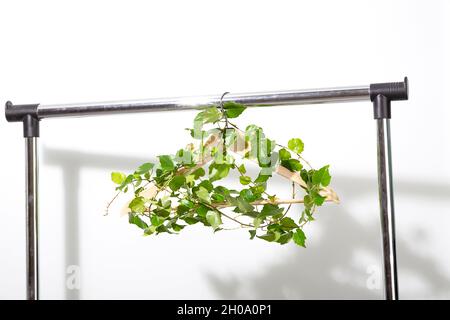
<point x="183" y="189"/>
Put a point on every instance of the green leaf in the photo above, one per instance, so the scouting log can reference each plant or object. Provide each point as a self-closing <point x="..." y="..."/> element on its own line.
<point x="242" y="169"/>
<point x="230" y="137"/>
<point x="177" y="182"/>
<point x="190" y="220"/>
<point x="190" y="179"/>
<point x="222" y="190"/>
<point x="248" y="195"/>
<point x="213" y="218"/>
<point x="292" y="164"/>
<point x="135" y="219"/>
<point x="118" y="177"/>
<point x="284" y="154"/>
<point x="308" y="201"/>
<point x="270" y="210"/>
<point x="203" y="194"/>
<point x="137" y="205"/>
<point x="166" y="163"/>
<point x="299" y="238"/>
<point x="177" y="227"/>
<point x="144" y="168"/>
<point x="207" y="185"/>
<point x="149" y="231"/>
<point x="218" y="198"/>
<point x="202" y="210"/>
<point x="257" y="222"/>
<point x="285" y="238"/>
<point x="182" y="209"/>
<point x="318" y="199"/>
<point x="138" y="191"/>
<point x="165" y="202"/>
<point x="218" y="171"/>
<point x="252" y="234"/>
<point x="262" y="177"/>
<point x="162" y="228"/>
<point x="200" y="172"/>
<point x="245" y="180"/>
<point x="243" y="205"/>
<point x="322" y="176"/>
<point x="274" y="227"/>
<point x="288" y="223"/>
<point x="296" y="145"/>
<point x="304" y="175"/>
<point x="138" y="180"/>
<point x="187" y="203"/>
<point x="233" y="109"/>
<point x="156" y="220"/>
<point x="259" y="188"/>
<point x="209" y="115"/>
<point x="162" y="212"/>
<point x="309" y="214"/>
<point x="268" y="236"/>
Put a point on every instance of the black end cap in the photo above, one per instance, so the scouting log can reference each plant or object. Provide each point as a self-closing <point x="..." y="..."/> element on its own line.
<point x="30" y="126"/>
<point x="391" y="90"/>
<point x="381" y="107"/>
<point x="15" y="113"/>
<point x="26" y="113"/>
<point x="381" y="94"/>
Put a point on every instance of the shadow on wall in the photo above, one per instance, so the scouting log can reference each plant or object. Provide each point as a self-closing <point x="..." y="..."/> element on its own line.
<point x="325" y="272"/>
<point x="71" y="162"/>
<point x="302" y="274"/>
<point x="313" y="273"/>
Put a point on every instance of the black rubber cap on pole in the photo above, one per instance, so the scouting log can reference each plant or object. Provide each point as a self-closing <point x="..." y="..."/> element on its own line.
<point x="30" y="126"/>
<point x="381" y="94"/>
<point x="26" y="113"/>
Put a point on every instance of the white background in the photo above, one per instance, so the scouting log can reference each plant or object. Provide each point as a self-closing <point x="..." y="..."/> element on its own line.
<point x="60" y="51"/>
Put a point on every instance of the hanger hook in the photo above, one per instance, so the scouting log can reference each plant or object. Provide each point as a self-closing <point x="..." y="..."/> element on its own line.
<point x="221" y="101"/>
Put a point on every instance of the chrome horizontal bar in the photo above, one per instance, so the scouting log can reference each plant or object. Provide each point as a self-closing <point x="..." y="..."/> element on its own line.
<point x="293" y="97"/>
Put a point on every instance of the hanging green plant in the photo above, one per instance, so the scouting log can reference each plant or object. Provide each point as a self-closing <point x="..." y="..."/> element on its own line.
<point x="185" y="188"/>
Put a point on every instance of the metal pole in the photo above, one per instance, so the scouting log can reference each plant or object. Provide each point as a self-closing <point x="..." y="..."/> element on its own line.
<point x="31" y="172"/>
<point x="386" y="198"/>
<point x="258" y="99"/>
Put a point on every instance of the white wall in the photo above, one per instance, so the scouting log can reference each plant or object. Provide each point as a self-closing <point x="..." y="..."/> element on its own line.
<point x="55" y="51"/>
